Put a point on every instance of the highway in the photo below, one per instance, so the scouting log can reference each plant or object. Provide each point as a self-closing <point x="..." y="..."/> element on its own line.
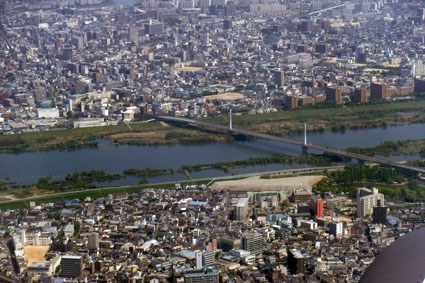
<point x="405" y="169"/>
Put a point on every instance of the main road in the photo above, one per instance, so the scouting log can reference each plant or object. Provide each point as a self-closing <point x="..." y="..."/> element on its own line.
<point x="402" y="168"/>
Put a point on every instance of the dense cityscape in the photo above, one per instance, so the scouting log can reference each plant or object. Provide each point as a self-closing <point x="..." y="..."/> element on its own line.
<point x="83" y="67"/>
<point x="85" y="75"/>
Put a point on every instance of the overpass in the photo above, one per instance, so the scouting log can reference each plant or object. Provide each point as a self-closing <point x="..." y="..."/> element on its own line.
<point x="404" y="169"/>
<point x="327" y="9"/>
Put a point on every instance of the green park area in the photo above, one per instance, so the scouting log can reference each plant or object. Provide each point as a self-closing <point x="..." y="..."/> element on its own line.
<point x="392" y="184"/>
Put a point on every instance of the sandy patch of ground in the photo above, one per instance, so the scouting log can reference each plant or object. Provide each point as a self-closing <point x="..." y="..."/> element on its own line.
<point x="255" y="184"/>
<point x="35" y="254"/>
<point x="189" y="69"/>
<point x="7" y="197"/>
<point x="225" y="96"/>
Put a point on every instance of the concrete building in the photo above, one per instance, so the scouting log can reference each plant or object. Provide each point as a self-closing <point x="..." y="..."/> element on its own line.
<point x="279" y="78"/>
<point x="93" y="241"/>
<point x="241" y="209"/>
<point x="227" y="244"/>
<point x="379" y="214"/>
<point x="154" y="28"/>
<point x="419" y="85"/>
<point x="366" y="200"/>
<point x="208" y="275"/>
<point x="72" y="266"/>
<point x="334" y="94"/>
<point x="88" y="122"/>
<point x="335" y="228"/>
<point x="378" y="91"/>
<point x="208" y="258"/>
<point x="47" y="113"/>
<point x="253" y="242"/>
<point x="360" y="95"/>
<point x="316" y="206"/>
<point x="291" y="102"/>
<point x="307" y="224"/>
<point x="296" y="262"/>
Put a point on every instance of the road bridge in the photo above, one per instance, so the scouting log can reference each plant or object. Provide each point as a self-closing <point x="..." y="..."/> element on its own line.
<point x="402" y="168"/>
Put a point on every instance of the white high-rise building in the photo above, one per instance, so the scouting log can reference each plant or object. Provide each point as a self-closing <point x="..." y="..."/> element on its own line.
<point x="367" y="199"/>
<point x="335" y="228"/>
<point x="198" y="260"/>
<point x="417" y="69"/>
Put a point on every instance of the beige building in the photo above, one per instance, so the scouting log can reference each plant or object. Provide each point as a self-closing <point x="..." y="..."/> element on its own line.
<point x="93" y="241"/>
<point x="241" y="209"/>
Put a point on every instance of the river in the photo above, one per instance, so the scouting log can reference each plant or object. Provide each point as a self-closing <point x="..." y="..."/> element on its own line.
<point x="27" y="168"/>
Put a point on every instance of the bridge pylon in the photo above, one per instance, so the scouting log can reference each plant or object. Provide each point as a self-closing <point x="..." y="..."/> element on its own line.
<point x="230" y="119"/>
<point x="304" y="147"/>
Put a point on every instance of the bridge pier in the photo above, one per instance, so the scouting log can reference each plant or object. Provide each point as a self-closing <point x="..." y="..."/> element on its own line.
<point x="360" y="162"/>
<point x="304" y="150"/>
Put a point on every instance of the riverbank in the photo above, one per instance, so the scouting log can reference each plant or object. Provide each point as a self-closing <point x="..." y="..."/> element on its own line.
<point x="91" y="179"/>
<point x="337" y="119"/>
<point x="152" y="133"/>
<point x="393" y="148"/>
<point x="337" y="179"/>
<point x="104" y="192"/>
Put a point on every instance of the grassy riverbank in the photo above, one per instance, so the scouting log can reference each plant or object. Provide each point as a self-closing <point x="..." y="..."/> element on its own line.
<point x="393" y="148"/>
<point x="338" y="118"/>
<point x="153" y="133"/>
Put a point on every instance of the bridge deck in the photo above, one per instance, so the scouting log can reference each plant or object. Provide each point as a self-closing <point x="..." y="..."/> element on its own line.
<point x="344" y="153"/>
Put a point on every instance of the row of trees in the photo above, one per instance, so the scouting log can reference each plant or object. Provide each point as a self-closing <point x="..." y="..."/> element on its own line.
<point x="366" y="173"/>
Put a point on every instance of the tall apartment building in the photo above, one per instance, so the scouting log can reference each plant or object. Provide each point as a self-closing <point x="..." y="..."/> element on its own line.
<point x="296" y="262"/>
<point x="205" y="259"/>
<point x="316" y="206"/>
<point x="291" y="101"/>
<point x="208" y="258"/>
<point x="253" y="242"/>
<point x="335" y="228"/>
<point x="419" y="85"/>
<point x="378" y="91"/>
<point x="379" y="213"/>
<point x="241" y="209"/>
<point x="367" y="199"/>
<point x="93" y="241"/>
<point x="72" y="266"/>
<point x="279" y="78"/>
<point x="360" y="95"/>
<point x="154" y="28"/>
<point x="334" y="94"/>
